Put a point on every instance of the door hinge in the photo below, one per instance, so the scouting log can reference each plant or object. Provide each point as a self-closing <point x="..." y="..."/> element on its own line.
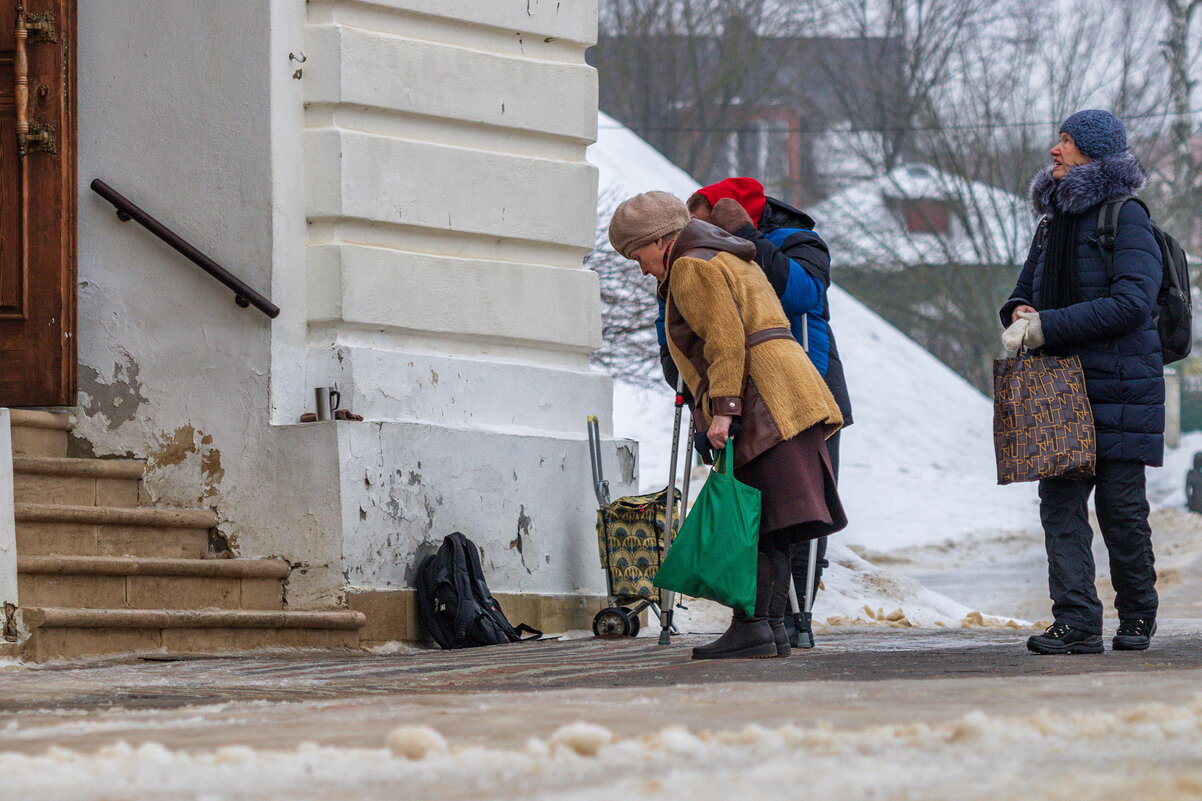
<point x="41" y="138"/>
<point x="41" y="27"/>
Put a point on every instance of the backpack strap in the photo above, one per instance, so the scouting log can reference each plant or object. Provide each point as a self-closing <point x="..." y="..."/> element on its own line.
<point x="462" y="579"/>
<point x="1105" y="237"/>
<point x="522" y="628"/>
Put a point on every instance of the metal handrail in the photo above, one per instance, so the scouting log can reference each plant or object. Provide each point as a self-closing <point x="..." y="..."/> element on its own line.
<point x="128" y="210"/>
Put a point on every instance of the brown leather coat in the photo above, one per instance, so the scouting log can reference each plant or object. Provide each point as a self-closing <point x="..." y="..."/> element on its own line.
<point x="730" y="339"/>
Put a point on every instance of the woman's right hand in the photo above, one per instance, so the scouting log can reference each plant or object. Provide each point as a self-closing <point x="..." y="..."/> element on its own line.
<point x="1019" y="310"/>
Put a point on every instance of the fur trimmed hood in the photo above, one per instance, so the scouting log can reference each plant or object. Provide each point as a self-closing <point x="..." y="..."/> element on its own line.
<point x="1087" y="185"/>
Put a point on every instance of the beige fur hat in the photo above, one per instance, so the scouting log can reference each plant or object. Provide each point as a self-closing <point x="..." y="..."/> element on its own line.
<point x="645" y="218"/>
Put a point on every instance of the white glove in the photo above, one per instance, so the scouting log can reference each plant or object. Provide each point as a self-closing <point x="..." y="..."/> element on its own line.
<point x="1034" y="338"/>
<point x="1012" y="337"/>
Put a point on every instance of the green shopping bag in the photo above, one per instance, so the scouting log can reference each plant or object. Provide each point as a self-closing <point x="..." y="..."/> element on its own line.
<point x="714" y="555"/>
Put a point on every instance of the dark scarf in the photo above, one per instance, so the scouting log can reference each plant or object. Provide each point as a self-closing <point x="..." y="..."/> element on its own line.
<point x="1061" y="284"/>
<point x="1065" y="202"/>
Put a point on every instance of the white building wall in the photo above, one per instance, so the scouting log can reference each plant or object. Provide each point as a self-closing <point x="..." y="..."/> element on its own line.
<point x="450" y="209"/>
<point x="406" y="179"/>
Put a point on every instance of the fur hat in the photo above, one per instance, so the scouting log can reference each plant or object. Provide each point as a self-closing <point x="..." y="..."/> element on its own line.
<point x="645" y="218"/>
<point x="1098" y="134"/>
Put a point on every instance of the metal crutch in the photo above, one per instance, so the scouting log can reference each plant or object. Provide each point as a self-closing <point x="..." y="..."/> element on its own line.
<point x="670" y="602"/>
<point x="667" y="597"/>
<point x="804" y="618"/>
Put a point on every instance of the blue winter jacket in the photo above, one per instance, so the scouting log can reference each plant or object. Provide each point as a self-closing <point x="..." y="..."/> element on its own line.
<point x="1112" y="329"/>
<point x="797" y="263"/>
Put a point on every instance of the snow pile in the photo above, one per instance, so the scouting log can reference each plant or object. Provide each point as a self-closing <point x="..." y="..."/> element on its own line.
<point x="627" y="165"/>
<point x="1148" y="752"/>
<point x="416" y="742"/>
<point x="1166" y="485"/>
<point x="857" y="593"/>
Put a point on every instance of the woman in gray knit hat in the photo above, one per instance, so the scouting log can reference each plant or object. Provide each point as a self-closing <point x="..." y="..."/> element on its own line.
<point x="1069" y="301"/>
<point x="730" y="339"/>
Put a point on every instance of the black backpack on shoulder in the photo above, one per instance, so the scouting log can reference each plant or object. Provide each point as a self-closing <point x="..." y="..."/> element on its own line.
<point x="454" y="603"/>
<point x="1174" y="307"/>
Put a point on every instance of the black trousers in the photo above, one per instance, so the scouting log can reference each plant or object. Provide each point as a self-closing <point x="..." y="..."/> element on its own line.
<point x="1122" y="505"/>
<point x="800" y="551"/>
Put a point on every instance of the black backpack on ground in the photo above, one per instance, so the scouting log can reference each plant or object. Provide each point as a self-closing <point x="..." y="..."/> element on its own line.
<point x="1174" y="306"/>
<point x="454" y="603"/>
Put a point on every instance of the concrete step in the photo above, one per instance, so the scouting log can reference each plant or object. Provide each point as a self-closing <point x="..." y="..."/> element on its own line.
<point x="46" y="529"/>
<point x="77" y="482"/>
<point x="39" y="433"/>
<point x="105" y="582"/>
<point x="59" y="633"/>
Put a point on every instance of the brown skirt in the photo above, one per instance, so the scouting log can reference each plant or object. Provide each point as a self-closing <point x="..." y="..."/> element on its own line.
<point x="798" y="494"/>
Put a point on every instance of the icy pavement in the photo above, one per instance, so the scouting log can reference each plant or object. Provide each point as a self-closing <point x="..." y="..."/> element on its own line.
<point x="872" y="713"/>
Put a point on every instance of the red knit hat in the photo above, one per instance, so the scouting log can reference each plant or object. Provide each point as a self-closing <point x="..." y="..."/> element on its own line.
<point x="747" y="191"/>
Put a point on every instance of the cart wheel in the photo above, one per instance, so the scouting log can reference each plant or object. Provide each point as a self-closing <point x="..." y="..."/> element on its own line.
<point x="614" y="622"/>
<point x="635" y="625"/>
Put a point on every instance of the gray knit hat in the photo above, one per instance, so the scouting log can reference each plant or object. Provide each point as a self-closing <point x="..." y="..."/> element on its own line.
<point x="1097" y="133"/>
<point x="645" y="218"/>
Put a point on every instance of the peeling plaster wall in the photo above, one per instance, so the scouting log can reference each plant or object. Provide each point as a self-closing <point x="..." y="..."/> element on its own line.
<point x="187" y="113"/>
<point x="407" y="181"/>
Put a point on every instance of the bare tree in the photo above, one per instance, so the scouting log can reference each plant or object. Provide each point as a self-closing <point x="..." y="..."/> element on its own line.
<point x="1180" y="52"/>
<point x="630" y="349"/>
<point x="982" y="75"/>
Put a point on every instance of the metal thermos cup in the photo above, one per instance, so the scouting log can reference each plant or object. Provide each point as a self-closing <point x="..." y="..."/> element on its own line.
<point x="328" y="399"/>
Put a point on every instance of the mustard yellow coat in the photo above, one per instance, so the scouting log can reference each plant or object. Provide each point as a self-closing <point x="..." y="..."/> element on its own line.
<point x="730" y="339"/>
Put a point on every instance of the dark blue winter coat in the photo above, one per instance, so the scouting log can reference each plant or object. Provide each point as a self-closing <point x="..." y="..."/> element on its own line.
<point x="1112" y="329"/>
<point x="798" y="265"/>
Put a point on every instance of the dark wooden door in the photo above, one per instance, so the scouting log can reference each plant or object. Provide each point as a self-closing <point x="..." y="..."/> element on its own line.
<point x="37" y="203"/>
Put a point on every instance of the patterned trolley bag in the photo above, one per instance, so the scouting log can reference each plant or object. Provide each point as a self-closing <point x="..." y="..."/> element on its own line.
<point x="630" y="539"/>
<point x="1043" y="425"/>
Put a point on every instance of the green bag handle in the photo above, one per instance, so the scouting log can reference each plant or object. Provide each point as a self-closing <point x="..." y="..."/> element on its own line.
<point x="725" y="456"/>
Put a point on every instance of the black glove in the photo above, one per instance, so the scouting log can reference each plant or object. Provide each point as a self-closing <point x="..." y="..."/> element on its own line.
<point x="705" y="448"/>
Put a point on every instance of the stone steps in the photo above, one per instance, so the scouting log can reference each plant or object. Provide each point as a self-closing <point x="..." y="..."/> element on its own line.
<point x="99" y="574"/>
<point x="102" y="582"/>
<point x="58" y="529"/>
<point x="39" y="433"/>
<point x="77" y="482"/>
<point x="64" y="633"/>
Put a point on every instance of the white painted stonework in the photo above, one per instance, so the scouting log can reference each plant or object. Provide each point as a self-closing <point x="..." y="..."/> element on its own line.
<point x="406" y="180"/>
<point x="8" y="525"/>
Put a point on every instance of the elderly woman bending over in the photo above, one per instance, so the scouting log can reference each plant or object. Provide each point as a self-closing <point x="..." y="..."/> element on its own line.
<point x="730" y="340"/>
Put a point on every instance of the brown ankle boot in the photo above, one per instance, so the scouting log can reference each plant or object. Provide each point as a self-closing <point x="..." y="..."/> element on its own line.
<point x="747" y="637"/>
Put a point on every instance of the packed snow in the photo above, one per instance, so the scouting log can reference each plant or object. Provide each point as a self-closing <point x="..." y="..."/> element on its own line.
<point x="1093" y="754"/>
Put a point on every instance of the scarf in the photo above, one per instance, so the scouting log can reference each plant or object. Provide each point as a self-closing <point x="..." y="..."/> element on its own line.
<point x="1061" y="284"/>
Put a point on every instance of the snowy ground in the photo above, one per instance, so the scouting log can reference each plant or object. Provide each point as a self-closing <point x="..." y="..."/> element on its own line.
<point x="962" y="727"/>
<point x="1033" y="756"/>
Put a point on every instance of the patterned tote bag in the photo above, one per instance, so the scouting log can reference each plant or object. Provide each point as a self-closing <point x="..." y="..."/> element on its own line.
<point x="1042" y="422"/>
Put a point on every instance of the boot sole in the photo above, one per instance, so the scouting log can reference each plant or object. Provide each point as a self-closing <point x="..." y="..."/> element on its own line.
<point x="751" y="652"/>
<point x="1078" y="648"/>
<point x="1118" y="645"/>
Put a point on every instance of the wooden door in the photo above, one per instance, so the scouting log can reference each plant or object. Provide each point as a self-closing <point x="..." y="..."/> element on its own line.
<point x="37" y="203"/>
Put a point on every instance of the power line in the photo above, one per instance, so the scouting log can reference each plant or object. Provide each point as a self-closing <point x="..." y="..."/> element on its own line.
<point x="883" y="129"/>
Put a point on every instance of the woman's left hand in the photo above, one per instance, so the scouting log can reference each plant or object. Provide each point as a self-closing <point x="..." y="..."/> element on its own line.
<point x="720" y="430"/>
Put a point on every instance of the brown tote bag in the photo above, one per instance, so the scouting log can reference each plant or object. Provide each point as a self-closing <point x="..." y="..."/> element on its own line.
<point x="1042" y="421"/>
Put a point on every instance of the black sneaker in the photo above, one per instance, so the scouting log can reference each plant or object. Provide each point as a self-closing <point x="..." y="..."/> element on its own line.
<point x="1134" y="635"/>
<point x="1061" y="638"/>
